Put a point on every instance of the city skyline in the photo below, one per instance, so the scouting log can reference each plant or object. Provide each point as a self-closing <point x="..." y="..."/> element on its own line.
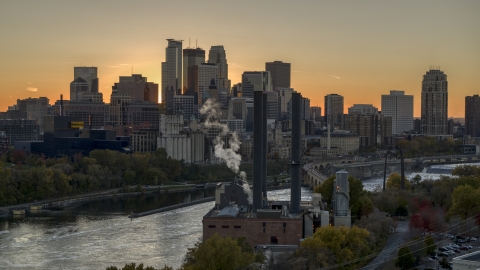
<point x="357" y="50"/>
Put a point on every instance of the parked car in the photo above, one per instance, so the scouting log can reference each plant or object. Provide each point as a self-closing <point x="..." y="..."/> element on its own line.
<point x="469" y="246"/>
<point x="434" y="256"/>
<point x="464" y="248"/>
<point x="454" y="245"/>
<point x="443" y="249"/>
<point x="450" y="252"/>
<point x="473" y="239"/>
<point x="443" y="254"/>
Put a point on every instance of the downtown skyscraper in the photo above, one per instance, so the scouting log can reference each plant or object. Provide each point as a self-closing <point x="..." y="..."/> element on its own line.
<point x="172" y="70"/>
<point x="434" y="111"/>
<point x="280" y="73"/>
<point x="217" y="56"/>
<point x="192" y="58"/>
<point x="334" y="111"/>
<point x="400" y="107"/>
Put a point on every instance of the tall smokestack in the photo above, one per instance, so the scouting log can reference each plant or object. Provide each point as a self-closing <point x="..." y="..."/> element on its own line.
<point x="264" y="146"/>
<point x="61" y="104"/>
<point x="296" y="148"/>
<point x="257" y="149"/>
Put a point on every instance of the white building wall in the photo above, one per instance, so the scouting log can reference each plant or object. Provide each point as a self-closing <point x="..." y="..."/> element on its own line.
<point x="400" y="107"/>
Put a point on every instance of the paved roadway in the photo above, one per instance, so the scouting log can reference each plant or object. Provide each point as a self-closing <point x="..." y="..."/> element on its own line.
<point x="391" y="247"/>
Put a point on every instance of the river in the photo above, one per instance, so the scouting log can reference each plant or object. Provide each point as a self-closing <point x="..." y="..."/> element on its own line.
<point x="433" y="172"/>
<point x="98" y="234"/>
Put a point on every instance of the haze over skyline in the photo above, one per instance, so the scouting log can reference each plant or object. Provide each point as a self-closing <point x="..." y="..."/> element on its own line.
<point x="358" y="49"/>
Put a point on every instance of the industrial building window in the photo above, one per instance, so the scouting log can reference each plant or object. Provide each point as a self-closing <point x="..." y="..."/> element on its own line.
<point x="212" y="226"/>
<point x="225" y="226"/>
<point x="284" y="224"/>
<point x="283" y="229"/>
<point x="237" y="226"/>
<point x="264" y="229"/>
<point x="274" y="240"/>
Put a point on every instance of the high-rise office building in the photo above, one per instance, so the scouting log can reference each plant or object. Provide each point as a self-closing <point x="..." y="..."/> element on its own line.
<point x="217" y="56"/>
<point x="362" y="109"/>
<point x="280" y="73"/>
<point x="272" y="104"/>
<point x="172" y="68"/>
<point x="472" y="116"/>
<point x="284" y="98"/>
<point x="207" y="76"/>
<point x="373" y="129"/>
<point x="334" y="111"/>
<point x="255" y="81"/>
<point x="192" y="58"/>
<point x="400" y="107"/>
<point x="137" y="88"/>
<point x="89" y="74"/>
<point x="434" y="103"/>
<point x="315" y="113"/>
<point x="305" y="114"/>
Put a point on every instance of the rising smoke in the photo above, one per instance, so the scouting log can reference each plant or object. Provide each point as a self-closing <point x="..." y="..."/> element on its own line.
<point x="212" y="111"/>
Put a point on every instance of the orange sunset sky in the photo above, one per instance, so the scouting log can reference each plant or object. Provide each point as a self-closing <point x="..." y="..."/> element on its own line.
<point x="359" y="49"/>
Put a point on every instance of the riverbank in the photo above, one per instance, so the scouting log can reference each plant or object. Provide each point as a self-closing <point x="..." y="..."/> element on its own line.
<point x="181" y="205"/>
<point x="62" y="203"/>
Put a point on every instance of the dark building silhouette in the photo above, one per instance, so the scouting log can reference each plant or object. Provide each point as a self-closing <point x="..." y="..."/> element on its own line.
<point x="280" y="73"/>
<point x="472" y="115"/>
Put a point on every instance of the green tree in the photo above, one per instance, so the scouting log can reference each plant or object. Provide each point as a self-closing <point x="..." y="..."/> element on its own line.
<point x="405" y="259"/>
<point x="344" y="243"/>
<point x="465" y="202"/>
<point x="218" y="253"/>
<point x="394" y="181"/>
<point x="362" y="207"/>
<point x="430" y="244"/>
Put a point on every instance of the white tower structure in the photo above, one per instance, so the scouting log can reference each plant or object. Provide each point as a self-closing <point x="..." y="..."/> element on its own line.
<point x="341" y="200"/>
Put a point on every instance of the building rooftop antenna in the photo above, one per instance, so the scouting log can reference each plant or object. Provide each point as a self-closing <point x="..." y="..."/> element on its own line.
<point x="189" y="43"/>
<point x="196" y="43"/>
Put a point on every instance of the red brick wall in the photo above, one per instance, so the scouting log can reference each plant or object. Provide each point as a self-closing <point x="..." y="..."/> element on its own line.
<point x="253" y="230"/>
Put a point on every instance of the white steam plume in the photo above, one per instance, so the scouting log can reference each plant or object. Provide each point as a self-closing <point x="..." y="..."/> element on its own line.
<point x="212" y="111"/>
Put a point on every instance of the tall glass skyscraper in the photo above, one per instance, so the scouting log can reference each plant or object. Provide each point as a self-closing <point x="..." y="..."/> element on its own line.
<point x="172" y="69"/>
<point x="434" y="103"/>
<point x="217" y="56"/>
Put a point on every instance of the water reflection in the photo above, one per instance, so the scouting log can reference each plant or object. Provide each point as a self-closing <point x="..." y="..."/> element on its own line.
<point x="97" y="234"/>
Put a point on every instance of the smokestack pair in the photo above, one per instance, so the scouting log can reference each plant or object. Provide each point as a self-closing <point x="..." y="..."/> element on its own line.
<point x="259" y="149"/>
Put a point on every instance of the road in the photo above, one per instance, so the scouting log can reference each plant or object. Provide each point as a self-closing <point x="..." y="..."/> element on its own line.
<point x="391" y="247"/>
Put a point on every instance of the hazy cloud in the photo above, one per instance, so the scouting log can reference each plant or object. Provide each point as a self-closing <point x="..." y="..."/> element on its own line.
<point x="31" y="89"/>
<point x="336" y="77"/>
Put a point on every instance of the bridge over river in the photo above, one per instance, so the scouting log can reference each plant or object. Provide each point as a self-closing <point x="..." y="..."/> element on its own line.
<point x="316" y="172"/>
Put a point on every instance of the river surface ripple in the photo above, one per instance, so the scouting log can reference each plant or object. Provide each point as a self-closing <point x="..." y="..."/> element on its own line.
<point x="95" y="235"/>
